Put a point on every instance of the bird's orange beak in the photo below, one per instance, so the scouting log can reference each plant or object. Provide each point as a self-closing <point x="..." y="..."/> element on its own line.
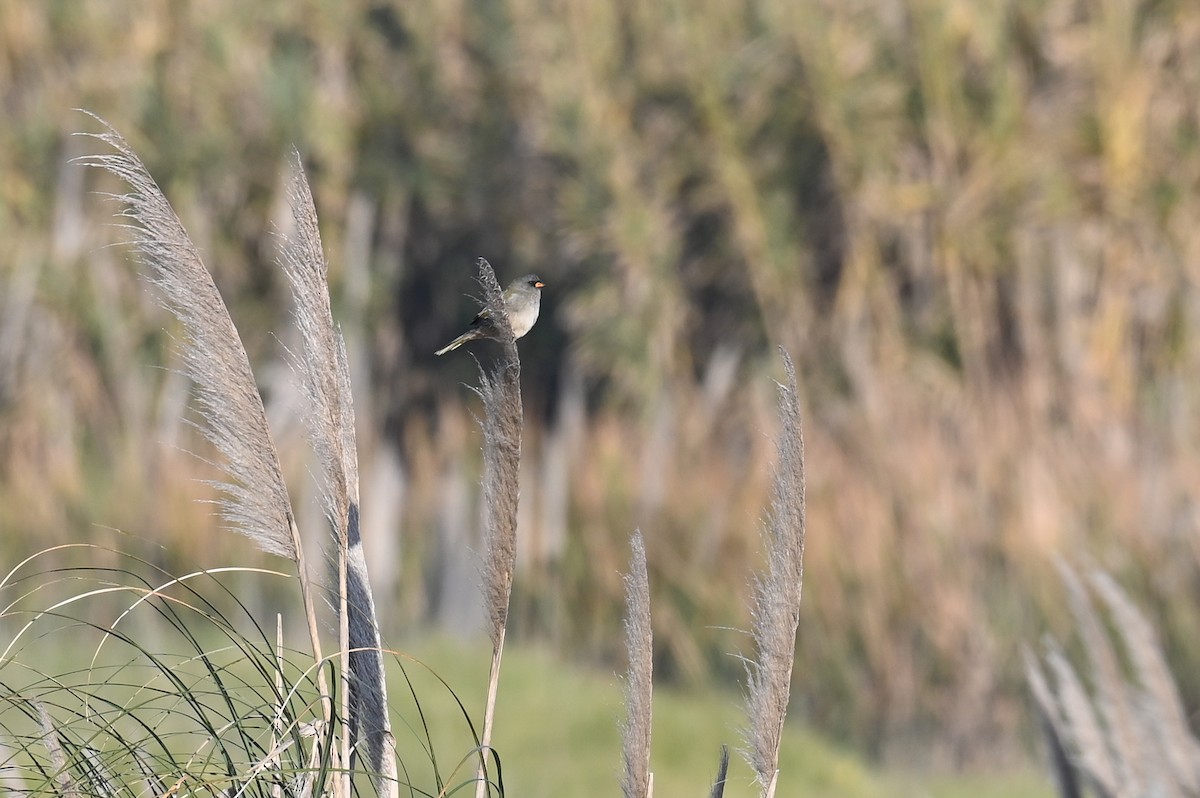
<point x="539" y="284"/>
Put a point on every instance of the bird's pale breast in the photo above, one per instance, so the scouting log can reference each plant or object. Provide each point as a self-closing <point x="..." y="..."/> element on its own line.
<point x="523" y="319"/>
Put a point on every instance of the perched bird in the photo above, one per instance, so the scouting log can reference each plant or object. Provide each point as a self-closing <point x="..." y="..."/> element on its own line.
<point x="522" y="300"/>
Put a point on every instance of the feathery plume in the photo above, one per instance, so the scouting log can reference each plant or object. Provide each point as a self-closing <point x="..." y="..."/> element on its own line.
<point x="255" y="501"/>
<point x="1111" y="697"/>
<point x="1050" y="719"/>
<point x="1128" y="737"/>
<point x="321" y="364"/>
<point x="1082" y="729"/>
<point x="329" y="420"/>
<point x="635" y="731"/>
<point x="502" y="421"/>
<point x="501" y="394"/>
<point x="1164" y="711"/>
<point x="776" y="609"/>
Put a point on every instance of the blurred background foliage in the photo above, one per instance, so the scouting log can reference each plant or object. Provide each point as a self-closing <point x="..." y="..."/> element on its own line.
<point x="973" y="224"/>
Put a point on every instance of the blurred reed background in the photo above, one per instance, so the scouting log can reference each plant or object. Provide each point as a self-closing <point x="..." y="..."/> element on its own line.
<point x="973" y="224"/>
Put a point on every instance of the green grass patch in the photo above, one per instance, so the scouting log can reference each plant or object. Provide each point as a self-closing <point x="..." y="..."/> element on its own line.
<point x="557" y="735"/>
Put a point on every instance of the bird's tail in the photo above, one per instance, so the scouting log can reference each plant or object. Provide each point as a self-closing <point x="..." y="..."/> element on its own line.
<point x="469" y="335"/>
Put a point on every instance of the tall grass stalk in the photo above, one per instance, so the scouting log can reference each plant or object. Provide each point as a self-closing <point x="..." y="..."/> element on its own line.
<point x="776" y="609"/>
<point x="637" y="781"/>
<point x="500" y="390"/>
<point x="1129" y="735"/>
<point x="255" y="502"/>
<point x="325" y="375"/>
<point x="63" y="783"/>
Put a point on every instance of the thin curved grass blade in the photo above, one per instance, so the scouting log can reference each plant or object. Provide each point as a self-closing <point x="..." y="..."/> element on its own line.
<point x="224" y="713"/>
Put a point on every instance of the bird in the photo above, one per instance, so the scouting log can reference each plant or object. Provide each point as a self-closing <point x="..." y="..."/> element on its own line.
<point x="522" y="300"/>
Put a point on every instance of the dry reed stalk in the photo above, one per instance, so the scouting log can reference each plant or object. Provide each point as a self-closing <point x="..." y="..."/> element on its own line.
<point x="1162" y="707"/>
<point x="1082" y="729"/>
<point x="329" y="421"/>
<point x="1126" y="737"/>
<point x="1051" y="722"/>
<point x="1111" y="696"/>
<point x="635" y="731"/>
<point x="255" y="499"/>
<point x="63" y="783"/>
<point x="718" y="788"/>
<point x="776" y="608"/>
<point x="500" y="391"/>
